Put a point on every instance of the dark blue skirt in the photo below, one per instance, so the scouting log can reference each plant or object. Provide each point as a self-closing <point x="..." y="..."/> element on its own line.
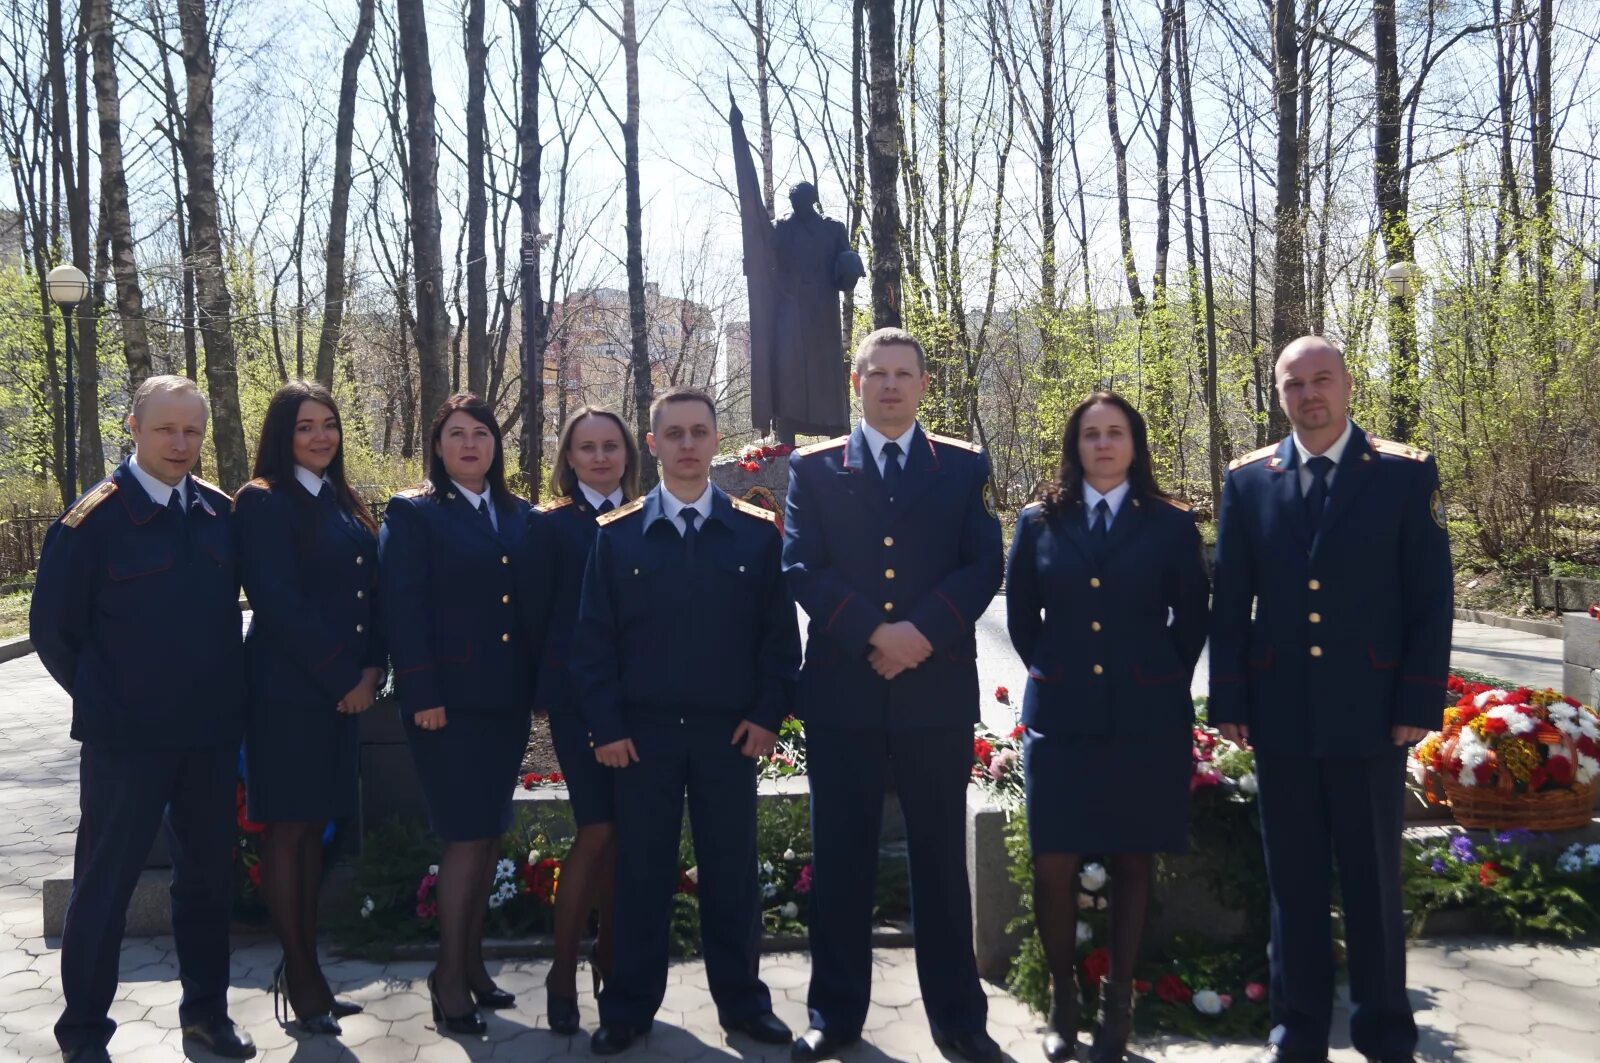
<point x="300" y="763"/>
<point x="590" y="784"/>
<point x="1103" y="796"/>
<point x="468" y="770"/>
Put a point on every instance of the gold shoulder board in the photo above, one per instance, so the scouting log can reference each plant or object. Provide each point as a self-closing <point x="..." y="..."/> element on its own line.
<point x="1253" y="457"/>
<point x="1397" y="450"/>
<point x="750" y="509"/>
<point x="621" y="511"/>
<point x="412" y="492"/>
<point x="1182" y="507"/>
<point x="208" y="483"/>
<point x="952" y="441"/>
<point x="555" y="504"/>
<point x="86" y="505"/>
<point x="818" y="448"/>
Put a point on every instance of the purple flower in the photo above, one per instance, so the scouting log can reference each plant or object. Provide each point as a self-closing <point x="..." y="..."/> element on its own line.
<point x="1461" y="849"/>
<point x="1515" y="836"/>
<point x="1438" y="866"/>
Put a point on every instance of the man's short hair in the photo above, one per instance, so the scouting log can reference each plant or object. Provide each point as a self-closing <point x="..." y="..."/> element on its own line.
<point x="681" y="394"/>
<point x="168" y="384"/>
<point x="888" y="337"/>
<point x="1311" y="342"/>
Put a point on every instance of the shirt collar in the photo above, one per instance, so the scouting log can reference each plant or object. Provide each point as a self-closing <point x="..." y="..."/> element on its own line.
<point x="1333" y="453"/>
<point x="473" y="498"/>
<point x="159" y="492"/>
<point x="1113" y="497"/>
<point x="876" y="439"/>
<point x="309" y="480"/>
<point x="596" y="498"/>
<point x="671" y="507"/>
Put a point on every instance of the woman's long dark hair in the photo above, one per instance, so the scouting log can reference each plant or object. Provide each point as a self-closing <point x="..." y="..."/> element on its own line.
<point x="438" y="480"/>
<point x="275" y="450"/>
<point x="564" y="481"/>
<point x="1068" y="486"/>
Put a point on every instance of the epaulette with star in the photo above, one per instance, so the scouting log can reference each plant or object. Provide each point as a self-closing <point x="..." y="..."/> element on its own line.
<point x="554" y="504"/>
<point x="621" y="511"/>
<point x="1397" y="450"/>
<point x="750" y="509"/>
<point x="818" y="448"/>
<point x="1180" y="506"/>
<point x="86" y="505"/>
<point x="1253" y="457"/>
<point x="412" y="492"/>
<point x="952" y="441"/>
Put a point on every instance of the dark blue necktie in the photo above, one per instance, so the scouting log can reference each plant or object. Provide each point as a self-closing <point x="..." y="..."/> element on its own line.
<point x="892" y="473"/>
<point x="1317" y="496"/>
<point x="1101" y="528"/>
<point x="483" y="511"/>
<point x="604" y="508"/>
<point x="689" y="515"/>
<point x="175" y="505"/>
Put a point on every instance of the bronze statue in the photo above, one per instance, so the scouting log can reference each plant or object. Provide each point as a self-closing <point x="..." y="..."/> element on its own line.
<point x="799" y="377"/>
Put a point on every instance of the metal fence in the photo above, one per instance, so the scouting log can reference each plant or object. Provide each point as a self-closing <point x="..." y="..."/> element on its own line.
<point x="21" y="536"/>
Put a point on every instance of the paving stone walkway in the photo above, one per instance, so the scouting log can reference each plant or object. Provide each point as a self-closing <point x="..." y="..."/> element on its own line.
<point x="1476" y="999"/>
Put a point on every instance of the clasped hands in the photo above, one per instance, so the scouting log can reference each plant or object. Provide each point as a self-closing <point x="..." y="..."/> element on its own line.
<point x="752" y="739"/>
<point x="896" y="648"/>
<point x="362" y="695"/>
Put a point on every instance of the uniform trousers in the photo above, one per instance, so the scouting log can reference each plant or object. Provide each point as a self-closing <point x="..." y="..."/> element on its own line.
<point x="698" y="758"/>
<point x="850" y="770"/>
<point x="1315" y="810"/>
<point x="124" y="797"/>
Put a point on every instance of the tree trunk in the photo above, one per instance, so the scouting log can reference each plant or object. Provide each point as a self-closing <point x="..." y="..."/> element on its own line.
<point x="115" y="216"/>
<point x="339" y="211"/>
<point x="1119" y="150"/>
<point x="638" y="331"/>
<point x="858" y="156"/>
<point x="1544" y="192"/>
<point x="477" y="208"/>
<point x="1163" y="420"/>
<point x="1288" y="260"/>
<point x="175" y="144"/>
<point x="535" y="325"/>
<point x="211" y="278"/>
<point x="432" y="324"/>
<point x="883" y="155"/>
<point x="1405" y="402"/>
<point x="1216" y="431"/>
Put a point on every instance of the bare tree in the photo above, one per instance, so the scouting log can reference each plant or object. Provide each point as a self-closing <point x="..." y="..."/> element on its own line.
<point x="883" y="164"/>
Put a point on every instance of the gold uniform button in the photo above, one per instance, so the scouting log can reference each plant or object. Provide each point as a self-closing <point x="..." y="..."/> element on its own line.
<point x="741" y="568"/>
<point x="1315" y="585"/>
<point x="1315" y="618"/>
<point x="1094" y="625"/>
<point x="505" y="599"/>
<point x="888" y="607"/>
<point x="888" y="540"/>
<point x="1316" y="651"/>
<point x="506" y="637"/>
<point x="505" y="559"/>
<point x="888" y="573"/>
<point x="361" y="594"/>
<point x="360" y="560"/>
<point x="1098" y="670"/>
<point x="360" y="628"/>
<point x="1094" y="581"/>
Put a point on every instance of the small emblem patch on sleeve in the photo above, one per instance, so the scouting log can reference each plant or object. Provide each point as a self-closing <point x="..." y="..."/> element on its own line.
<point x="988" y="501"/>
<point x="1436" y="507"/>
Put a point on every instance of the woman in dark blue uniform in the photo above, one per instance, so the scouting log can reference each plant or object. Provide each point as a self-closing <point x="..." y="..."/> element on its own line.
<point x="1106" y="602"/>
<point x="596" y="470"/>
<point x="466" y="589"/>
<point x="308" y="560"/>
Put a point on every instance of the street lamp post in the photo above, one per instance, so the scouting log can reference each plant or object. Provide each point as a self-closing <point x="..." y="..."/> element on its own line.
<point x="68" y="287"/>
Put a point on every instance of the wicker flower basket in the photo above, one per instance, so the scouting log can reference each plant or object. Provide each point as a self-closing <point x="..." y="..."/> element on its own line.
<point x="1487" y="808"/>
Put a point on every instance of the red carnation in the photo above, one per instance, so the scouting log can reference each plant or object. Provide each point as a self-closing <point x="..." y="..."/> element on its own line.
<point x="1537" y="778"/>
<point x="529" y="781"/>
<point x="1141" y="986"/>
<point x="1570" y="700"/>
<point x="1495" y="726"/>
<point x="1588" y="747"/>
<point x="1002" y="695"/>
<point x="1560" y="769"/>
<point x="254" y="873"/>
<point x="1096" y="966"/>
<point x="982" y="751"/>
<point x="1171" y="990"/>
<point x="1018" y="731"/>
<point x="686" y="884"/>
<point x="1488" y="872"/>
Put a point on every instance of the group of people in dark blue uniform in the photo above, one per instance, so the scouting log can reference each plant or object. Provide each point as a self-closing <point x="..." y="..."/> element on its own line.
<point x="658" y="633"/>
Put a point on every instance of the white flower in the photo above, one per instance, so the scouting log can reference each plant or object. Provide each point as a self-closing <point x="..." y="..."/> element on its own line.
<point x="766" y="867"/>
<point x="1569" y="863"/>
<point x="693" y="874"/>
<point x="788" y="854"/>
<point x="1085" y="933"/>
<point x="1248" y="783"/>
<point x="533" y="856"/>
<point x="1100" y="903"/>
<point x="433" y="869"/>
<point x="1093" y="877"/>
<point x="790" y="910"/>
<point x="1207" y="1002"/>
<point x="768" y="891"/>
<point x="504" y="869"/>
<point x="1588" y="768"/>
<point x="1591" y="855"/>
<point x="495" y="900"/>
<point x="1487" y="696"/>
<point x="367" y="908"/>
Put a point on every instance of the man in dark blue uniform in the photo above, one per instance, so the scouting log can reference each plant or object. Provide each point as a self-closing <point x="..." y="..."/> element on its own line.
<point x="684" y="659"/>
<point x="892" y="547"/>
<point x="136" y="614"/>
<point x="1337" y="539"/>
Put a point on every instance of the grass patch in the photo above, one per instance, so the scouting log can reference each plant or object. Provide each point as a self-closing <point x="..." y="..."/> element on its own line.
<point x="14" y="614"/>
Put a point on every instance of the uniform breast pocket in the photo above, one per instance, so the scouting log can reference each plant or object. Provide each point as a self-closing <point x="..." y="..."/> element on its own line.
<point x="138" y="566"/>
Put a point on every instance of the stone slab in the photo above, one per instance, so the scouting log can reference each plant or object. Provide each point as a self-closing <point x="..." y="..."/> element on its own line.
<point x="1550" y="629"/>
<point x="1580" y="639"/>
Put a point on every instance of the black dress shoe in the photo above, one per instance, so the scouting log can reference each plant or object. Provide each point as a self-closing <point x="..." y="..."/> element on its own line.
<point x="814" y="1045"/>
<point x="1279" y="1054"/>
<point x="494" y="998"/>
<point x="222" y="1038"/>
<point x="766" y="1028"/>
<point x="86" y="1054"/>
<point x="611" y="1038"/>
<point x="975" y="1047"/>
<point x="343" y="1009"/>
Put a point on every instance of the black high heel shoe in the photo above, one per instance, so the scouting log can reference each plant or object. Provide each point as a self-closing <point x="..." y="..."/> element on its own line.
<point x="494" y="998"/>
<point x="471" y="1024"/>
<point x="323" y="1023"/>
<point x="562" y="1012"/>
<point x="343" y="1009"/>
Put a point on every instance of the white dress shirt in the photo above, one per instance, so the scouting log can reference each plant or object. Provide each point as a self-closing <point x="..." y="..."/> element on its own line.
<point x="1333" y="453"/>
<point x="1113" y="499"/>
<point x="674" y="509"/>
<point x="160" y="493"/>
<point x="876" y="439"/>
<point x="309" y="480"/>
<point x="596" y="498"/>
<point x="479" y="501"/>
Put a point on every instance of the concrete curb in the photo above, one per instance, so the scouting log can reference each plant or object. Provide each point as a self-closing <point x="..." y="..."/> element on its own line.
<point x="14" y="648"/>
<point x="1550" y="629"/>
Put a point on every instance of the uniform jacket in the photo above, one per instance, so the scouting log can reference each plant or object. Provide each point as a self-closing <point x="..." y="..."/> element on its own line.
<point x="1351" y="628"/>
<point x="137" y="617"/>
<point x="464" y="607"/>
<point x="571" y="521"/>
<point x="1102" y="658"/>
<point x="662" y="638"/>
<point x="855" y="560"/>
<point x="310" y="571"/>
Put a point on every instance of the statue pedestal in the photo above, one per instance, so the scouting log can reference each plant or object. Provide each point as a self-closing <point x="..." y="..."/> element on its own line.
<point x="727" y="474"/>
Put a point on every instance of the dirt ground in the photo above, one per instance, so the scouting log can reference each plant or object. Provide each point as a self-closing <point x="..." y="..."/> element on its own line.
<point x="540" y="756"/>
